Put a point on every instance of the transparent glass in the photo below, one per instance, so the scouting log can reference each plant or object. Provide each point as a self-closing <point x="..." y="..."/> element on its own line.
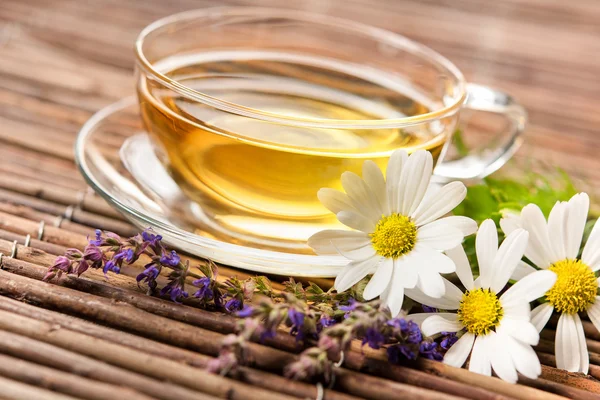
<point x="243" y="114"/>
<point x="253" y="110"/>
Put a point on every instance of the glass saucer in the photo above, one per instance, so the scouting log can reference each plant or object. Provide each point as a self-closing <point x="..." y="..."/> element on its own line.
<point x="116" y="158"/>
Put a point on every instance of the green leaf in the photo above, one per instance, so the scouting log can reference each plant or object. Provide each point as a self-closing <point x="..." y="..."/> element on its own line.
<point x="479" y="204"/>
<point x="497" y="196"/>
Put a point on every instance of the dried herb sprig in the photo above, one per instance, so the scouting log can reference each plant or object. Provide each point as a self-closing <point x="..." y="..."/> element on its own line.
<point x="372" y="324"/>
<point x="326" y="321"/>
<point x="110" y="252"/>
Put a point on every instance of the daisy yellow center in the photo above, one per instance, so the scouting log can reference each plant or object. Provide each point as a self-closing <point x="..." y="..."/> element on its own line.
<point x="394" y="236"/>
<point x="480" y="311"/>
<point x="575" y="288"/>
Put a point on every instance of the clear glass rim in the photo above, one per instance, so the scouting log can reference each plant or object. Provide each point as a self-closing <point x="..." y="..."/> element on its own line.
<point x="381" y="35"/>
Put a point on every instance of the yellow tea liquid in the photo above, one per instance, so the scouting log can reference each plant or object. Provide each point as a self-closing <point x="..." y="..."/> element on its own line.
<point x="255" y="180"/>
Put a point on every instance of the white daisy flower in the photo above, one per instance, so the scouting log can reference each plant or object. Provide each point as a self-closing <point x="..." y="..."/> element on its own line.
<point x="497" y="329"/>
<point x="554" y="246"/>
<point x="399" y="236"/>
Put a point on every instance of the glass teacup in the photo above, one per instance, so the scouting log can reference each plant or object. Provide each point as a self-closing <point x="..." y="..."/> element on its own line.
<point x="253" y="110"/>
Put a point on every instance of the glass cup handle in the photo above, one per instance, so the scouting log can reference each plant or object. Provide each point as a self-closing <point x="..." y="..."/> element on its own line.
<point x="483" y="162"/>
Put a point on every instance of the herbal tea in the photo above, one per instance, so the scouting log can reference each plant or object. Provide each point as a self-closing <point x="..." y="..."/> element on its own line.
<point x="260" y="179"/>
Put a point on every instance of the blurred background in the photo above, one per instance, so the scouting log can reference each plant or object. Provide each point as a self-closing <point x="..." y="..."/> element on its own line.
<point x="79" y="53"/>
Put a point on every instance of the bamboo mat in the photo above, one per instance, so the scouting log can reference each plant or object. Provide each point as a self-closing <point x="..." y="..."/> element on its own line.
<point x="88" y="338"/>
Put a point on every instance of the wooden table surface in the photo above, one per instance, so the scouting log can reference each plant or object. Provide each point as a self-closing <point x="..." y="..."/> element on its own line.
<point x="63" y="60"/>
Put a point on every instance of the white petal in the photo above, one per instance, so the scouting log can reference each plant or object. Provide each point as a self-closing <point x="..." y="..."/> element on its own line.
<point x="458" y="353"/>
<point x="361" y="253"/>
<point x="480" y="359"/>
<point x="519" y="329"/>
<point x="436" y="324"/>
<point x="593" y="313"/>
<point x="463" y="267"/>
<point x="334" y="200"/>
<point x="530" y="288"/>
<point x="567" y="351"/>
<point x="510" y="222"/>
<point x="415" y="180"/>
<point x="393" y="296"/>
<point x="509" y="254"/>
<point x="444" y="201"/>
<point x="486" y="246"/>
<point x="418" y="318"/>
<point x="354" y="272"/>
<point x="393" y="176"/>
<point x="523" y="269"/>
<point x="351" y="240"/>
<point x="433" y="260"/>
<point x="330" y="240"/>
<point x="356" y="221"/>
<point x="374" y="179"/>
<point x="439" y="235"/>
<point x="450" y="300"/>
<point x="524" y="358"/>
<point x="432" y="191"/>
<point x="464" y="224"/>
<point x="360" y="197"/>
<point x="408" y="269"/>
<point x="539" y="250"/>
<point x="584" y="357"/>
<point x="540" y="316"/>
<point x="557" y="225"/>
<point x="501" y="360"/>
<point x="518" y="310"/>
<point x="591" y="251"/>
<point x="431" y="283"/>
<point x="579" y="206"/>
<point x="380" y="279"/>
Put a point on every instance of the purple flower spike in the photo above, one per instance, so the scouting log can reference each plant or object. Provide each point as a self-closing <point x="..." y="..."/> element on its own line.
<point x="98" y="241"/>
<point x="296" y="317"/>
<point x="245" y="312"/>
<point x="204" y="291"/>
<point x="94" y="254"/>
<point x="152" y="240"/>
<point x="176" y="286"/>
<point x="413" y="333"/>
<point x="112" y="235"/>
<point x="430" y="350"/>
<point x="170" y="259"/>
<point x="149" y="275"/>
<point x="130" y="256"/>
<point x="106" y="239"/>
<point x="326" y="321"/>
<point x="174" y="291"/>
<point x="374" y="338"/>
<point x="111" y="265"/>
<point x="82" y="267"/>
<point x="267" y="334"/>
<point x="448" y="340"/>
<point x="233" y="305"/>
<point x="62" y="263"/>
<point x="398" y="352"/>
<point x="124" y="255"/>
<point x="351" y="306"/>
<point x="428" y="309"/>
